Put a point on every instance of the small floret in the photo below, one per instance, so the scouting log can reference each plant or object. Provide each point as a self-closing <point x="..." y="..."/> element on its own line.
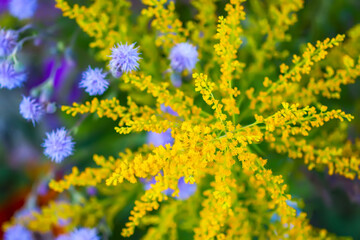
<point x="183" y="56"/>
<point x="18" y="232"/>
<point x="23" y="9"/>
<point x="84" y="234"/>
<point x="58" y="145"/>
<point x="124" y="58"/>
<point x="31" y="109"/>
<point x="9" y="77"/>
<point x="8" y="41"/>
<point x="94" y="81"/>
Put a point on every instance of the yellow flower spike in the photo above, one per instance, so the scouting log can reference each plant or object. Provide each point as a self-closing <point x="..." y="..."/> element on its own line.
<point x="98" y="20"/>
<point x="269" y="99"/>
<point x="239" y="193"/>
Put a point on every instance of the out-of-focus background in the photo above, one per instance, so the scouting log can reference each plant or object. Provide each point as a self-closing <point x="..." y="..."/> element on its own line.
<point x="61" y="50"/>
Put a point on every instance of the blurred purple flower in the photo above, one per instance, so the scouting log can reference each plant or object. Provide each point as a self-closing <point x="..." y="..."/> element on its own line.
<point x="158" y="139"/>
<point x="186" y="190"/>
<point x="124" y="58"/>
<point x="31" y="109"/>
<point x="167" y="109"/>
<point x="94" y="81"/>
<point x="18" y="232"/>
<point x="84" y="234"/>
<point x="9" y="77"/>
<point x="8" y="41"/>
<point x="58" y="145"/>
<point x="63" y="237"/>
<point x="183" y="56"/>
<point x="91" y="191"/>
<point x="3" y="5"/>
<point x="43" y="188"/>
<point x="23" y="9"/>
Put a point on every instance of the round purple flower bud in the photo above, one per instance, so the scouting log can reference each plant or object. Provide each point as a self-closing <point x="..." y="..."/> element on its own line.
<point x="124" y="58"/>
<point x="8" y="41"/>
<point x="18" y="232"/>
<point x="9" y="77"/>
<point x="183" y="56"/>
<point x="23" y="9"/>
<point x="94" y="82"/>
<point x="31" y="109"/>
<point x="58" y="145"/>
<point x="84" y="234"/>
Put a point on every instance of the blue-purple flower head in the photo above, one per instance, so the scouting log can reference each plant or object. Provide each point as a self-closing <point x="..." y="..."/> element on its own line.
<point x="8" y="41"/>
<point x="9" y="77"/>
<point x="84" y="234"/>
<point x="31" y="109"/>
<point x="94" y="81"/>
<point x="183" y="56"/>
<point x="18" y="232"/>
<point x="23" y="9"/>
<point x="158" y="139"/>
<point x="124" y="58"/>
<point x="58" y="145"/>
<point x="186" y="190"/>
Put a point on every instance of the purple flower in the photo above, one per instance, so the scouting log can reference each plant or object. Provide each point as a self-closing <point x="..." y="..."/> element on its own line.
<point x="43" y="188"/>
<point x="124" y="58"/>
<point x="84" y="234"/>
<point x="31" y="109"/>
<point x="22" y="9"/>
<point x="183" y="56"/>
<point x="9" y="77"/>
<point x="58" y="145"/>
<point x="167" y="109"/>
<point x="8" y="41"/>
<point x="94" y="82"/>
<point x="63" y="237"/>
<point x="91" y="191"/>
<point x="186" y="190"/>
<point x="158" y="139"/>
<point x="18" y="232"/>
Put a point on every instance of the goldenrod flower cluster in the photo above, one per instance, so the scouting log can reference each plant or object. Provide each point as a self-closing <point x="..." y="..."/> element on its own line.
<point x="238" y="104"/>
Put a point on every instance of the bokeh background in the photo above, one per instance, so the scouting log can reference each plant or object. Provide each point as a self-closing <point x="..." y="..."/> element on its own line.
<point x="61" y="50"/>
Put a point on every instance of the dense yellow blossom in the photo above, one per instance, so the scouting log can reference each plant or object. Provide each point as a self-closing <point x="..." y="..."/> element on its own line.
<point x="223" y="116"/>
